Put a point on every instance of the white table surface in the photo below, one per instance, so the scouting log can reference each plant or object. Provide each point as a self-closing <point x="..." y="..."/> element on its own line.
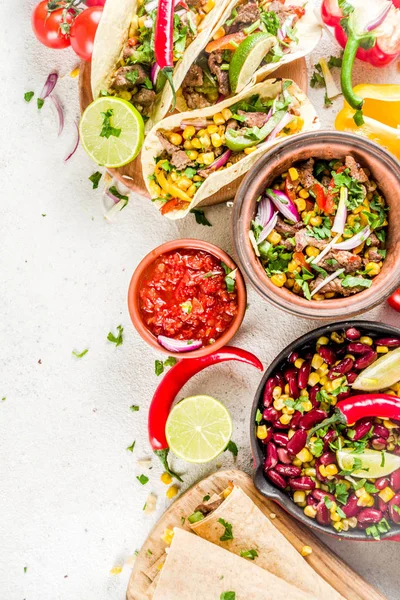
<point x="70" y="503"/>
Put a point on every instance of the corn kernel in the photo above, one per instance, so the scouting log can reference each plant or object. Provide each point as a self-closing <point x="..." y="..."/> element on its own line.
<point x="298" y="362"/>
<point x="274" y="238"/>
<point x="307" y="406"/>
<point x="216" y="140"/>
<point x="299" y="496"/>
<point x="175" y="138"/>
<point x="172" y="491"/>
<point x="188" y="145"/>
<point x="335" y="518"/>
<point x="338" y="526"/>
<point x="300" y="203"/>
<point x="345" y="524"/>
<point x="316" y="221"/>
<point x="192" y="154"/>
<point x="219" y="33"/>
<point x="75" y="72"/>
<point x="317" y="361"/>
<point x="297" y="462"/>
<point x="166" y="478"/>
<point x="360" y="492"/>
<point x="277" y="392"/>
<point x="262" y="432"/>
<point x="287" y="410"/>
<point x="291" y="433"/>
<point x="184" y="183"/>
<point x="125" y="95"/>
<point x="389" y="424"/>
<point x="322" y="341"/>
<point x="189" y="132"/>
<point x="372" y="269"/>
<point x="218" y="119"/>
<point x="386" y="494"/>
<point x="278" y="279"/>
<point x="285" y="419"/>
<point x="192" y="190"/>
<point x="322" y="470"/>
<point x="310" y="472"/>
<point x="173" y="176"/>
<point x="205" y="141"/>
<point x="286" y="388"/>
<point x="365" y="339"/>
<point x="352" y="521"/>
<point x="196" y="143"/>
<point x="208" y="6"/>
<point x="293" y="173"/>
<point x="312" y="252"/>
<point x="212" y="129"/>
<point x="313" y="379"/>
<point x="365" y="499"/>
<point x="279" y="404"/>
<point x="116" y="570"/>
<point x="167" y="536"/>
<point x="331" y="469"/>
<point x="304" y="455"/>
<point x="250" y="150"/>
<point x="197" y="177"/>
<point x="306" y="550"/>
<point x="304" y="194"/>
<point x="310" y="511"/>
<point x="141" y="22"/>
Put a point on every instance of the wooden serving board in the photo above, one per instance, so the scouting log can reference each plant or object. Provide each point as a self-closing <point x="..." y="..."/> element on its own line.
<point x="131" y="174"/>
<point x="324" y="562"/>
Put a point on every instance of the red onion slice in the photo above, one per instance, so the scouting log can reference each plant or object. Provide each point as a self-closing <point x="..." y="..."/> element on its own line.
<point x="218" y="162"/>
<point x="378" y="20"/>
<point x="178" y="345"/>
<point x="267" y="229"/>
<point x="341" y="213"/>
<point x="197" y="123"/>
<point x="286" y="119"/>
<point x="60" y="112"/>
<point x="284" y="205"/>
<point x="76" y="144"/>
<point x="354" y="241"/>
<point x="49" y="85"/>
<point x="265" y="211"/>
<point x="155" y="69"/>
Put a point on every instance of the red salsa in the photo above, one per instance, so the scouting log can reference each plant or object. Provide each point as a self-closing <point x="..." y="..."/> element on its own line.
<point x="184" y="295"/>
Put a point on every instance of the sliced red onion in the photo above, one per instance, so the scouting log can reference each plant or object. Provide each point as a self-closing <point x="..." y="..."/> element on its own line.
<point x="148" y="23"/>
<point x="341" y="213"/>
<point x="49" y="85"/>
<point x="60" y="112"/>
<point x="181" y="12"/>
<point x="116" y="208"/>
<point x="286" y="119"/>
<point x="267" y="229"/>
<point x="76" y="144"/>
<point x="284" y="205"/>
<point x="155" y="69"/>
<point x="265" y="211"/>
<point x="287" y="24"/>
<point x="327" y="280"/>
<point x="280" y="35"/>
<point x="218" y="162"/>
<point x="221" y="97"/>
<point x="150" y="6"/>
<point x="197" y="123"/>
<point x="380" y="18"/>
<point x="178" y="345"/>
<point x="354" y="241"/>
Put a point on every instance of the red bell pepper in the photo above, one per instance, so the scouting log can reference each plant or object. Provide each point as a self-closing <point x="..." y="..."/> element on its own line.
<point x="325" y="202"/>
<point x="370" y="31"/>
<point x="394" y="300"/>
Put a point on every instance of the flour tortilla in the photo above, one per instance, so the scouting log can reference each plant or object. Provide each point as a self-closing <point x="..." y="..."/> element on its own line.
<point x="112" y="35"/>
<point x="267" y="89"/>
<point x="253" y="530"/>
<point x="308" y="33"/>
<point x="197" y="570"/>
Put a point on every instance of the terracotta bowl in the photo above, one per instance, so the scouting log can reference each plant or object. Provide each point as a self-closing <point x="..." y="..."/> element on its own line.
<point x="134" y="287"/>
<point x="385" y="169"/>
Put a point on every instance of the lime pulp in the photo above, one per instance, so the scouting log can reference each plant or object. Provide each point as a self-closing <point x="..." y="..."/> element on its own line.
<point x="247" y="59"/>
<point x="370" y="464"/>
<point x="382" y="374"/>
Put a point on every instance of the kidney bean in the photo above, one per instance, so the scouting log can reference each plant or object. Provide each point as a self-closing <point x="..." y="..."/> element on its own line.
<point x="358" y="348"/>
<point x="362" y="428"/>
<point x="315" y="416"/>
<point x="280" y="438"/>
<point x="280" y="381"/>
<point x="296" y="442"/>
<point x="279" y="425"/>
<point x="319" y="474"/>
<point x="383" y="507"/>
<point x="271" y="414"/>
<point x="290" y="373"/>
<point x="283" y="456"/>
<point x="351" y="509"/>
<point x="269" y="387"/>
<point x="327" y="458"/>
<point x="293" y="356"/>
<point x="351" y="377"/>
<point x="395" y="480"/>
<point x="302" y="483"/>
<point x="378" y="443"/>
<point x="294" y="389"/>
<point x="288" y="470"/>
<point x="397" y="451"/>
<point x="342" y="368"/>
<point x="271" y="456"/>
<point x="369" y="515"/>
<point x="296" y="418"/>
<point x="328" y="354"/>
<point x="389" y="342"/>
<point x="321" y="495"/>
<point x="268" y="438"/>
<point x="277" y="479"/>
<point x="365" y="360"/>
<point x="381" y="431"/>
<point x="323" y="516"/>
<point x="352" y="334"/>
<point x="343" y="395"/>
<point x="394" y="515"/>
<point x="312" y="395"/>
<point x="311" y="501"/>
<point x="381" y="483"/>
<point x="328" y="438"/>
<point x="304" y="372"/>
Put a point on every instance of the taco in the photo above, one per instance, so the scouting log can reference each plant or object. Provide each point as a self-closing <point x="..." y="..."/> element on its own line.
<point x="187" y="157"/>
<point x="251" y="39"/>
<point x="123" y="61"/>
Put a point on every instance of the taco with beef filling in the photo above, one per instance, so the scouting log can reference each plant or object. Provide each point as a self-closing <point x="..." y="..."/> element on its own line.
<point x="189" y="156"/>
<point x="123" y="60"/>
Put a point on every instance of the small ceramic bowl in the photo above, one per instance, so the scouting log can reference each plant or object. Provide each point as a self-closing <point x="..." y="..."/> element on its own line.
<point x="134" y="287"/>
<point x="260" y="481"/>
<point x="326" y="145"/>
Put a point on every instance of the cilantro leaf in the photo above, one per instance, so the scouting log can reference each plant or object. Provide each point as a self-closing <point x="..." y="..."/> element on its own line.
<point x="95" y="179"/>
<point x="228" y="596"/>
<point x="335" y="61"/>
<point x="80" y="354"/>
<point x="134" y="408"/>
<point x="158" y="367"/>
<point x="258" y="416"/>
<point x="28" y="96"/>
<point x="143" y="479"/>
<point x="40" y="103"/>
<point x="118" y="339"/>
<point x="200" y="217"/>
<point x="251" y="554"/>
<point x="227" y="535"/>
<point x="170" y="362"/>
<point x="351" y="281"/>
<point x="107" y="129"/>
<point x="232" y="447"/>
<point x="131" y="447"/>
<point x="206" y="498"/>
<point x="117" y="194"/>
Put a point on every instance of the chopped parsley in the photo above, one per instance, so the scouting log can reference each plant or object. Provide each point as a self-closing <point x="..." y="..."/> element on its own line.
<point x="228" y="596"/>
<point x="28" y="96"/>
<point x="370" y="488"/>
<point x="375" y="531"/>
<point x="352" y="281"/>
<point x="183" y="519"/>
<point x="356" y="192"/>
<point x="341" y="493"/>
<point x="230" y="278"/>
<point x="134" y="408"/>
<point x="131" y="447"/>
<point x="335" y="61"/>
<point x="40" y="103"/>
<point x="143" y="479"/>
<point x="159" y="364"/>
<point x="200" y="217"/>
<point x="271" y="21"/>
<point x="317" y="447"/>
<point x="232" y="447"/>
<point x="258" y="416"/>
<point x="95" y="179"/>
<point x="80" y="354"/>
<point x="118" y="339"/>
<point x="107" y="129"/>
<point x="295" y="404"/>
<point x="117" y="194"/>
<point x="251" y="554"/>
<point x="227" y="535"/>
<point x="206" y="498"/>
<point x="382" y="458"/>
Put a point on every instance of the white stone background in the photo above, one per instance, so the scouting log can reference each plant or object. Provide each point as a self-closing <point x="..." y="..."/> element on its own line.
<point x="70" y="504"/>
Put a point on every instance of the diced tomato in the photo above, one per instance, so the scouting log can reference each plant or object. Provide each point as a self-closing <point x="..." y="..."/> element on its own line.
<point x="324" y="202"/>
<point x="299" y="10"/>
<point x="289" y="188"/>
<point x="225" y="43"/>
<point x="301" y="260"/>
<point x="174" y="204"/>
<point x="132" y="41"/>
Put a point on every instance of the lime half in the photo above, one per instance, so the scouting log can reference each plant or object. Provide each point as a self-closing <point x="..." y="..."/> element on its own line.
<point x="112" y="131"/>
<point x="247" y="58"/>
<point x="383" y="373"/>
<point x="369" y="464"/>
<point x="198" y="429"/>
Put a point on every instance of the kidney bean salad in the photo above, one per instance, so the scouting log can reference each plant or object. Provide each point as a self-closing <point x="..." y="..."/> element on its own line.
<point x="320" y="230"/>
<point x="326" y="443"/>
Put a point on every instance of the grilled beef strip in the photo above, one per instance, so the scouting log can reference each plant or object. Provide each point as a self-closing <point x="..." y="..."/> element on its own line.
<point x="343" y="259"/>
<point x="356" y="170"/>
<point x="246" y="15"/>
<point x="120" y="81"/>
<point x="179" y="158"/>
<point x="214" y="61"/>
<point x="334" y="286"/>
<point x="306" y="174"/>
<point x="289" y="230"/>
<point x="303" y="239"/>
<point x="253" y="119"/>
<point x="207" y="508"/>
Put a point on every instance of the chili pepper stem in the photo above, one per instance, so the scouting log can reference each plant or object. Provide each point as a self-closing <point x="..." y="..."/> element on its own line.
<point x="337" y="417"/>
<point x="163" y="456"/>
<point x="168" y="71"/>
<point x="350" y="51"/>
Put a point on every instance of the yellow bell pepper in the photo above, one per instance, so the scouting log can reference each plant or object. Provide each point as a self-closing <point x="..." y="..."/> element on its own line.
<point x="381" y="110"/>
<point x="169" y="187"/>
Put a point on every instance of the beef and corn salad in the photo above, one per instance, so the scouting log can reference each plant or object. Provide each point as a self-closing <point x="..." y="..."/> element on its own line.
<point x="200" y="147"/>
<point x="325" y="431"/>
<point x="137" y="78"/>
<point x="320" y="231"/>
<point x="269" y="27"/>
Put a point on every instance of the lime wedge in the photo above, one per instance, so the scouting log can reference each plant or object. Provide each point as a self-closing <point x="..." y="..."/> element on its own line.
<point x="198" y="429"/>
<point x="383" y="373"/>
<point x="369" y="464"/>
<point x="124" y="137"/>
<point x="247" y="58"/>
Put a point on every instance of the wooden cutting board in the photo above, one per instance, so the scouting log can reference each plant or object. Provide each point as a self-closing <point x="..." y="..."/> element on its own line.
<point x="329" y="566"/>
<point x="131" y="174"/>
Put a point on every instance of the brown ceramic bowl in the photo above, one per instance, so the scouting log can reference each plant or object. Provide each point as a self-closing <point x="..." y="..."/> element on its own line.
<point x="328" y="145"/>
<point x="134" y="287"/>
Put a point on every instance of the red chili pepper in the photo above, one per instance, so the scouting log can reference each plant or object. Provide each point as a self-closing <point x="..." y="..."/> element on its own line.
<point x="354" y="408"/>
<point x="172" y="383"/>
<point x="164" y="42"/>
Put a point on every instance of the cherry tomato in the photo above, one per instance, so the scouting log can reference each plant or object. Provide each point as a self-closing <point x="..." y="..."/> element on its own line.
<point x="394" y="300"/>
<point x="83" y="31"/>
<point x="224" y="43"/>
<point x="95" y="2"/>
<point x="46" y="25"/>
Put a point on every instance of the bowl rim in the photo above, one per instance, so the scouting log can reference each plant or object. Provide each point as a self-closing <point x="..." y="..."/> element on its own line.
<point x="133" y="296"/>
<point x="266" y="488"/>
<point x="328" y="309"/>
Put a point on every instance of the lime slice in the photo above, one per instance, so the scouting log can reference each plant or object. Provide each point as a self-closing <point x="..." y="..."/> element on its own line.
<point x="198" y="429"/>
<point x="114" y="150"/>
<point x="383" y="373"/>
<point x="379" y="464"/>
<point x="247" y="58"/>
